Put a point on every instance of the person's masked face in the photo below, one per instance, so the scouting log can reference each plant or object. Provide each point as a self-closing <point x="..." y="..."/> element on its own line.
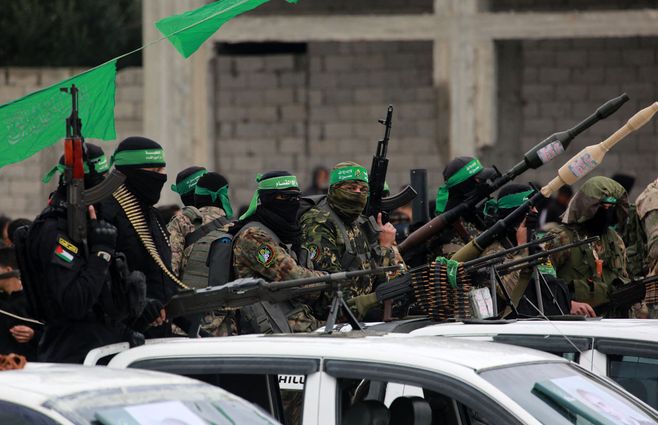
<point x="146" y="183"/>
<point x="605" y="216"/>
<point x="349" y="198"/>
<point x="285" y="204"/>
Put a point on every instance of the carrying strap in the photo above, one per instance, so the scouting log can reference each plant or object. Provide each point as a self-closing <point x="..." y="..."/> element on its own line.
<point x="133" y="211"/>
<point x="350" y="254"/>
<point x="200" y="232"/>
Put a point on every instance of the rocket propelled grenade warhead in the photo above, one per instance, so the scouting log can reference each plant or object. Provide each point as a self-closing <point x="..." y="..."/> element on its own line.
<point x="590" y="157"/>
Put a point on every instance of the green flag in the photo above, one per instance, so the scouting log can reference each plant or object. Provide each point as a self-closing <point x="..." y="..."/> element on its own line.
<point x="38" y="120"/>
<point x="189" y="30"/>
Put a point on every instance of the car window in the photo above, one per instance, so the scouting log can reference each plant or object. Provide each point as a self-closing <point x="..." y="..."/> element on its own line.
<point x="15" y="414"/>
<point x="558" y="393"/>
<point x="402" y="404"/>
<point x="638" y="375"/>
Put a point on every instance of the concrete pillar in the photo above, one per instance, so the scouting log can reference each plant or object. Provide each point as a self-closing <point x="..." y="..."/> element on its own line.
<point x="175" y="94"/>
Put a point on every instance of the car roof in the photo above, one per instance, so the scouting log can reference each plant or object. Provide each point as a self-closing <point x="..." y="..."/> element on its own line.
<point x="44" y="381"/>
<point x="629" y="329"/>
<point x="401" y="349"/>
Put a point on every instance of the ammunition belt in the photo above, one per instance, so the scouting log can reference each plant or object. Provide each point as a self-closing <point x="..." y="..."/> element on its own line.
<point x="133" y="211"/>
<point x="436" y="297"/>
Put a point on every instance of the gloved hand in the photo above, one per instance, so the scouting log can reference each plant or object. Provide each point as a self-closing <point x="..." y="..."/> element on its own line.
<point x="363" y="303"/>
<point x="102" y="236"/>
<point x="150" y="314"/>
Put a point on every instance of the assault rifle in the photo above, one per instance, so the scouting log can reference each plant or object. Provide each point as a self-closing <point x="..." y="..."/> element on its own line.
<point x="624" y="296"/>
<point x="247" y="291"/>
<point x="376" y="201"/>
<point x="77" y="198"/>
<point x="539" y="155"/>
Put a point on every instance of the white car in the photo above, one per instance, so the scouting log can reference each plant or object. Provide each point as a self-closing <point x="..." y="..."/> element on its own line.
<point x="48" y="394"/>
<point x="354" y="378"/>
<point x="625" y="350"/>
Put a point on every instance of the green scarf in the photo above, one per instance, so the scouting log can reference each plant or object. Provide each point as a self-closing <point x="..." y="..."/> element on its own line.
<point x="100" y="165"/>
<point x="221" y="193"/>
<point x="188" y="184"/>
<point x="466" y="172"/>
<point x="511" y="201"/>
<point x="274" y="183"/>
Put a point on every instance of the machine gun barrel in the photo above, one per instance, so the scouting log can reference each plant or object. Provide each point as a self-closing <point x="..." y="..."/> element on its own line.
<point x="483" y="261"/>
<point x="542" y="153"/>
<point x="520" y="263"/>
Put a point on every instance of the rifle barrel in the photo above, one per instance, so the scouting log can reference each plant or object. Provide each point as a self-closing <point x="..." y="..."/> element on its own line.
<point x="478" y="261"/>
<point x="546" y="253"/>
<point x="333" y="277"/>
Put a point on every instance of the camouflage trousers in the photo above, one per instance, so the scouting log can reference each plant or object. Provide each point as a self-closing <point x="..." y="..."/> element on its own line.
<point x="215" y="324"/>
<point x="301" y="320"/>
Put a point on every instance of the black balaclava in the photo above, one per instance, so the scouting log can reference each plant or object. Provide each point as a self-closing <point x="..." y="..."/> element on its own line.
<point x="93" y="153"/>
<point x="145" y="185"/>
<point x="213" y="182"/>
<point x="280" y="216"/>
<point x="501" y="213"/>
<point x="188" y="197"/>
<point x="602" y="219"/>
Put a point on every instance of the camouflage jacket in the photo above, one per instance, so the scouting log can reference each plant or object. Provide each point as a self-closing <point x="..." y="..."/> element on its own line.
<point x="333" y="250"/>
<point x="449" y="241"/>
<point x="257" y="254"/>
<point x="183" y="224"/>
<point x="647" y="210"/>
<point x="577" y="266"/>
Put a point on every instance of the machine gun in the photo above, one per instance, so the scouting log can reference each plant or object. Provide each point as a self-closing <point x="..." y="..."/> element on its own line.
<point x="77" y="198"/>
<point x="377" y="178"/>
<point x="247" y="291"/>
<point x="539" y="155"/>
<point x="624" y="296"/>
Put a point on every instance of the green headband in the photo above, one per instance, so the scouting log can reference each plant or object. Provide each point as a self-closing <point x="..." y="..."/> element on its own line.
<point x="139" y="157"/>
<point x="513" y="200"/>
<point x="465" y="173"/>
<point x="100" y="166"/>
<point x="221" y="193"/>
<point x="274" y="183"/>
<point x="188" y="183"/>
<point x="339" y="175"/>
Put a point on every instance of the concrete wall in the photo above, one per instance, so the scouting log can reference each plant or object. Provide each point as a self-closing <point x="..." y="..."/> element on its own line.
<point x="306" y="7"/>
<point x="563" y="5"/>
<point x="560" y="82"/>
<point x="320" y="107"/>
<point x="23" y="193"/>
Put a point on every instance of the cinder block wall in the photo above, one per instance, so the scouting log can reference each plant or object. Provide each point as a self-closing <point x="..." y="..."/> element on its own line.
<point x="23" y="193"/>
<point x="560" y="82"/>
<point x="297" y="111"/>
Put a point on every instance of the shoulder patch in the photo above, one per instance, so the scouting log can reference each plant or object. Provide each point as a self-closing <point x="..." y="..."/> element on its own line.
<point x="313" y="250"/>
<point x="64" y="253"/>
<point x="265" y="255"/>
<point x="67" y="245"/>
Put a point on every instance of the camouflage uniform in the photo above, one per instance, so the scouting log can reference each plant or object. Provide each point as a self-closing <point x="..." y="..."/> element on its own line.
<point x="509" y="280"/>
<point x="577" y="266"/>
<point x="179" y="227"/>
<point x="257" y="254"/>
<point x="328" y="249"/>
<point x="647" y="209"/>
<point x="449" y="241"/>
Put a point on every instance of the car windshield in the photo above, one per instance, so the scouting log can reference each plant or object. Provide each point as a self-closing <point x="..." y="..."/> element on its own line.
<point x="559" y="393"/>
<point x="189" y="404"/>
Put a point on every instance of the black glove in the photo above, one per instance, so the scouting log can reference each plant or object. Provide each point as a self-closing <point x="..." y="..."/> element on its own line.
<point x="150" y="313"/>
<point x="102" y="236"/>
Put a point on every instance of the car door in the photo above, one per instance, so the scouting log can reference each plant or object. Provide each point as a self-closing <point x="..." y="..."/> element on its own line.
<point x="361" y="389"/>
<point x="255" y="379"/>
<point x="633" y="365"/>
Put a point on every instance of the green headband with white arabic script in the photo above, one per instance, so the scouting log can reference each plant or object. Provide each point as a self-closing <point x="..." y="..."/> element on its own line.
<point x="221" y="193"/>
<point x="339" y="175"/>
<point x="464" y="173"/>
<point x="100" y="165"/>
<point x="188" y="184"/>
<point x="511" y="201"/>
<point x="273" y="183"/>
<point x="144" y="157"/>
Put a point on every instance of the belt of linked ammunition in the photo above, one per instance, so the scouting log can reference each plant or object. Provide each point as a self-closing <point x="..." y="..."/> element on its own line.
<point x="133" y="211"/>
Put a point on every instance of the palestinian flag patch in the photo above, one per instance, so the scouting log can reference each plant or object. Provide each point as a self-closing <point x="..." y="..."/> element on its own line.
<point x="265" y="255"/>
<point x="63" y="254"/>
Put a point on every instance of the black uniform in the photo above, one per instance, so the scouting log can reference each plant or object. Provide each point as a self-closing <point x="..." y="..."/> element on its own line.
<point x="69" y="288"/>
<point x="16" y="303"/>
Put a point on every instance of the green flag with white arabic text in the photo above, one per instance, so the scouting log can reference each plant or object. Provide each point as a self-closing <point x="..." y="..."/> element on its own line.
<point x="187" y="31"/>
<point x="38" y="120"/>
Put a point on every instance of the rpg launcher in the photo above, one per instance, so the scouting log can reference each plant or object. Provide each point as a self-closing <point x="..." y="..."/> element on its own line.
<point x="377" y="178"/>
<point x="77" y="198"/>
<point x="573" y="170"/>
<point x="539" y="155"/>
<point x="248" y="291"/>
